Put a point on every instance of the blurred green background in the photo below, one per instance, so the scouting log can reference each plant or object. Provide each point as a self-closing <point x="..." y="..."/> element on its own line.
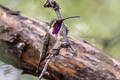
<point x="99" y="22"/>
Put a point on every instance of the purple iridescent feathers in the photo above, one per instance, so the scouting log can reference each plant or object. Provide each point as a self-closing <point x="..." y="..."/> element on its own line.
<point x="56" y="27"/>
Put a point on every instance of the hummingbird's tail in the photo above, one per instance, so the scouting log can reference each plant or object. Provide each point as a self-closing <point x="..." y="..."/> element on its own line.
<point x="71" y="17"/>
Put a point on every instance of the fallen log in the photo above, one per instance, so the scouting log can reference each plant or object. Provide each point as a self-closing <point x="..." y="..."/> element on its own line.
<point x="20" y="42"/>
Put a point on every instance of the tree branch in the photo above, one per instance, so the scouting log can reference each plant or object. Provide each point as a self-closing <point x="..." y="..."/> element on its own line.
<point x="21" y="39"/>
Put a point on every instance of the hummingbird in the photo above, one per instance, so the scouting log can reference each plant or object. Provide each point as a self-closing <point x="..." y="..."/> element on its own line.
<point x="57" y="23"/>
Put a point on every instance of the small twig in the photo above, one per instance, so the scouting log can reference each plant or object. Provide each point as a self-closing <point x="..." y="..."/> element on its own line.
<point x="45" y="68"/>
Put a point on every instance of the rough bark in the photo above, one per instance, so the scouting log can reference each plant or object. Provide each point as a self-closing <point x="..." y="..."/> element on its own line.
<point x="20" y="42"/>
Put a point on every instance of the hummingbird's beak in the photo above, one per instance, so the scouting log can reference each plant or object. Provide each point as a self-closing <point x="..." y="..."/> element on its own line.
<point x="71" y="17"/>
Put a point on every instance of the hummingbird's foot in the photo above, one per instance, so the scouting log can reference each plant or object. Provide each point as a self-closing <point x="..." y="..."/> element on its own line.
<point x="68" y="45"/>
<point x="72" y="50"/>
